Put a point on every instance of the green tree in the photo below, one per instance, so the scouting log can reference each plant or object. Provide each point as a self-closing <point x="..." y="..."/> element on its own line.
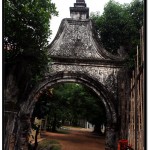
<point x="54" y="106"/>
<point x="26" y="32"/>
<point x="93" y="110"/>
<point x="27" y="27"/>
<point x="70" y="102"/>
<point x="119" y="25"/>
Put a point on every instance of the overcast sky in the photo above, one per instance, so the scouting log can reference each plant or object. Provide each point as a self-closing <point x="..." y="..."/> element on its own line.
<point x="64" y="12"/>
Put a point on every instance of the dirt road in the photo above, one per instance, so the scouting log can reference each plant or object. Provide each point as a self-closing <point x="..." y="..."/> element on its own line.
<point x="78" y="140"/>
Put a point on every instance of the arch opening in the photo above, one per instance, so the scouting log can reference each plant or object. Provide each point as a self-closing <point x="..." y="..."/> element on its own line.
<point x="85" y="113"/>
<point x="62" y="77"/>
<point x="94" y="85"/>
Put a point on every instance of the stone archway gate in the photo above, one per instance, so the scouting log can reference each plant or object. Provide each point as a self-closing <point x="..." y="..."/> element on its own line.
<point x="78" y="56"/>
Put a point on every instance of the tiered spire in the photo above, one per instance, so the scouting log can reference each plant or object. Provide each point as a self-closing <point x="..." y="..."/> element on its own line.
<point x="80" y="3"/>
<point x="79" y="11"/>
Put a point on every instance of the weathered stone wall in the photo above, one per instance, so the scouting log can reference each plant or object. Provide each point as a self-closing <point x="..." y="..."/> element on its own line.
<point x="101" y="73"/>
<point x="9" y="125"/>
<point x="14" y="95"/>
<point x="75" y="41"/>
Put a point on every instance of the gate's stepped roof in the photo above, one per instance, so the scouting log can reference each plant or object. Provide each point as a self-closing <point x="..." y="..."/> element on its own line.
<point x="77" y="39"/>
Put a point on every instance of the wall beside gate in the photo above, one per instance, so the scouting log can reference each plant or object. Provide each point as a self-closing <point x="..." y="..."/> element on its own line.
<point x="137" y="101"/>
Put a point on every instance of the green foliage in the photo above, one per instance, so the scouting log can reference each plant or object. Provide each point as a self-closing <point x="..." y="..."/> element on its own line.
<point x="26" y="24"/>
<point x="70" y="102"/>
<point x="119" y="25"/>
<point x="26" y="30"/>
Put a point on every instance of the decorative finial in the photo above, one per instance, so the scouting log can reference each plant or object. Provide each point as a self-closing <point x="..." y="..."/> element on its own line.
<point x="80" y="1"/>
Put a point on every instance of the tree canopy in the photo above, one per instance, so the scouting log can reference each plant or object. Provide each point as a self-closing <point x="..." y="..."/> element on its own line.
<point x="26" y="32"/>
<point x="119" y="25"/>
<point x="27" y="26"/>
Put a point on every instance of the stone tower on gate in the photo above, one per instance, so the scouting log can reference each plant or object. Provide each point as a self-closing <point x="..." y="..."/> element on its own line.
<point x="79" y="11"/>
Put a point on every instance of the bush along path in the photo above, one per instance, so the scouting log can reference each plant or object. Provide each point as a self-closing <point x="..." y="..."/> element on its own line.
<point x="48" y="144"/>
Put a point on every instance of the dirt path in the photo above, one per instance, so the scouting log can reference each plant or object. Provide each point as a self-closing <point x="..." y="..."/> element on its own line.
<point x="78" y="140"/>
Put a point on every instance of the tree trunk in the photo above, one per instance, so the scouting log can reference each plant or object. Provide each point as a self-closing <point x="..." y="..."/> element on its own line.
<point x="45" y="125"/>
<point x="54" y="124"/>
<point x="97" y="129"/>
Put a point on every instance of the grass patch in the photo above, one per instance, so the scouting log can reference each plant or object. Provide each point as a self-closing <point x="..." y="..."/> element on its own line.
<point x="51" y="144"/>
<point x="55" y="147"/>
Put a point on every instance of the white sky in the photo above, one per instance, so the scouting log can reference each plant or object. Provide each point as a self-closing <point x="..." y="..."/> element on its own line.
<point x="64" y="12"/>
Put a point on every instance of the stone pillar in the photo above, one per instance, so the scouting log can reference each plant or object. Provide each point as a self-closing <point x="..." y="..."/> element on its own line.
<point x="110" y="143"/>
